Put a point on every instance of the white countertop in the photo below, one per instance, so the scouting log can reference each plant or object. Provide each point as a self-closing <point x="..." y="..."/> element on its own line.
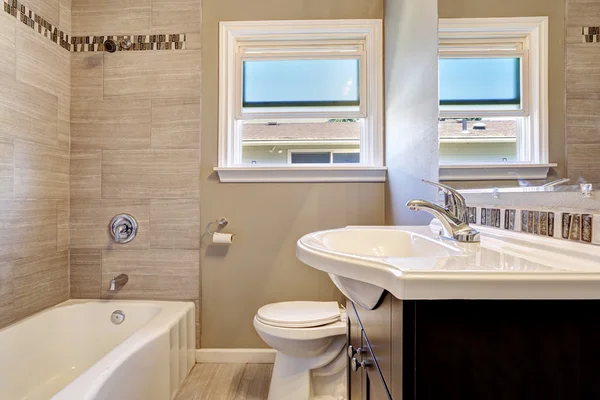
<point x="505" y="265"/>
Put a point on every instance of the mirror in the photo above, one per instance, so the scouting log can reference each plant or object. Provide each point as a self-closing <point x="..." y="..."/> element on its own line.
<point x="488" y="109"/>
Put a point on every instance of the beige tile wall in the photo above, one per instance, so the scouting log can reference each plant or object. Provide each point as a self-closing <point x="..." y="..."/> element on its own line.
<point x="34" y="164"/>
<point x="135" y="128"/>
<point x="583" y="93"/>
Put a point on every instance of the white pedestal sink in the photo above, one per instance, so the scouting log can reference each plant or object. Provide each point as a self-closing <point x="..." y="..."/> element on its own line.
<point x="349" y="248"/>
<point x="412" y="262"/>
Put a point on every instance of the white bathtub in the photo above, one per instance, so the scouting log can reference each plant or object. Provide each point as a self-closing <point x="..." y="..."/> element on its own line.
<point x="74" y="352"/>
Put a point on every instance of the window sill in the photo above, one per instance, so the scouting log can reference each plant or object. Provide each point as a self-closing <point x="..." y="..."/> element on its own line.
<point x="486" y="140"/>
<point x="300" y="174"/>
<point x="487" y="171"/>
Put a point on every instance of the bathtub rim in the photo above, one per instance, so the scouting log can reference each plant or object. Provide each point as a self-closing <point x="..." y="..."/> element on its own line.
<point x="92" y="379"/>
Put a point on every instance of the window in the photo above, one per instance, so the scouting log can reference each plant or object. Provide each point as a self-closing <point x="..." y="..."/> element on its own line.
<point x="301" y="83"/>
<point x="318" y="156"/>
<point x="493" y="98"/>
<point x="301" y="101"/>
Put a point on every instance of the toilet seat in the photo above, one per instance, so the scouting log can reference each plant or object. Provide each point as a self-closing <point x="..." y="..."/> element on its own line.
<point x="317" y="332"/>
<point x="299" y="314"/>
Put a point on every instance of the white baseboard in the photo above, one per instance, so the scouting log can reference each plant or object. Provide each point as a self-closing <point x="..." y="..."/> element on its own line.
<point x="235" y="356"/>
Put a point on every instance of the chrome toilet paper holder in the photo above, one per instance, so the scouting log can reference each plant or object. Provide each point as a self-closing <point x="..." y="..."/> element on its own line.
<point x="222" y="223"/>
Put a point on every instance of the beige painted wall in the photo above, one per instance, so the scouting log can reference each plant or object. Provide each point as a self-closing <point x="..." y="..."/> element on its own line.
<point x="261" y="266"/>
<point x="555" y="10"/>
<point x="34" y="163"/>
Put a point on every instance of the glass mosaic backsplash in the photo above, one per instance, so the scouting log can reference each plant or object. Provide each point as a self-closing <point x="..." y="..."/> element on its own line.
<point x="574" y="226"/>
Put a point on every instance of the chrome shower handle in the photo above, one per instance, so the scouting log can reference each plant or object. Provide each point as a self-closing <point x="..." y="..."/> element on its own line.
<point x="123" y="228"/>
<point x="120" y="231"/>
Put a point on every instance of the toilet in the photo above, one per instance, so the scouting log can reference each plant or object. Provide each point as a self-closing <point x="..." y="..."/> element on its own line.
<point x="310" y="339"/>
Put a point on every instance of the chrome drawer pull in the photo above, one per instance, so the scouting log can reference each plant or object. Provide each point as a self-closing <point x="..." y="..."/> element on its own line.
<point x="351" y="351"/>
<point x="355" y="365"/>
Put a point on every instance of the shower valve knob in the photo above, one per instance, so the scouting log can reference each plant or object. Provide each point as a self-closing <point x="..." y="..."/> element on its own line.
<point x="123" y="228"/>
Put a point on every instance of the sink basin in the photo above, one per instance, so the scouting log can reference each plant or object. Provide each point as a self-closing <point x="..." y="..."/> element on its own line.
<point x="345" y="253"/>
<point x="382" y="243"/>
<point x="414" y="263"/>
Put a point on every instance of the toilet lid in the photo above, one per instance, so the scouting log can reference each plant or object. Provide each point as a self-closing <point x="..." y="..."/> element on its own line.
<point x="299" y="314"/>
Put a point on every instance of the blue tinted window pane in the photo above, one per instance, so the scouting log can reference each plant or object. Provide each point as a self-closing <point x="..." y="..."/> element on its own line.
<point x="346" y="158"/>
<point x="478" y="81"/>
<point x="310" y="158"/>
<point x="297" y="83"/>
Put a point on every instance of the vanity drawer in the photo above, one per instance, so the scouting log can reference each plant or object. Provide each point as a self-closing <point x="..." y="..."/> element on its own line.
<point x="365" y="381"/>
<point x="355" y="342"/>
<point x="377" y="325"/>
<point x="374" y="385"/>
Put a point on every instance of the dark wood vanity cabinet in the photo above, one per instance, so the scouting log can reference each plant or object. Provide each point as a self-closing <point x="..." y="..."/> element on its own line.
<point x="355" y="342"/>
<point x="368" y="356"/>
<point x="475" y="349"/>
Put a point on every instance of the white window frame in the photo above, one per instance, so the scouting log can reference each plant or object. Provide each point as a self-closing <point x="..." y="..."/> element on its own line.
<point x="532" y="138"/>
<point x="234" y="40"/>
<point x="324" y="150"/>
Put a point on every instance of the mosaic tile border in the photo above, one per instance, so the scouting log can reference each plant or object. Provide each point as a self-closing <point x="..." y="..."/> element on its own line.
<point x="22" y="13"/>
<point x="90" y="43"/>
<point x="574" y="226"/>
<point x="138" y="42"/>
<point x="591" y="34"/>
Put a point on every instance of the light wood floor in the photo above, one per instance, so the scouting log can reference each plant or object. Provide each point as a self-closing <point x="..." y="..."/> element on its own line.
<point x="227" y="382"/>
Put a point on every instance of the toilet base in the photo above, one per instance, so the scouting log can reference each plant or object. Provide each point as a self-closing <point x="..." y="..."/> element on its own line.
<point x="292" y="379"/>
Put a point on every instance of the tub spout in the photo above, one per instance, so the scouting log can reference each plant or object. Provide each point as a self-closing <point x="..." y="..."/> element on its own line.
<point x="118" y="282"/>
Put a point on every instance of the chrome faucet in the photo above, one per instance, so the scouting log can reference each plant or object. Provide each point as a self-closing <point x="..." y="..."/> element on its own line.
<point x="453" y="215"/>
<point x="118" y="282"/>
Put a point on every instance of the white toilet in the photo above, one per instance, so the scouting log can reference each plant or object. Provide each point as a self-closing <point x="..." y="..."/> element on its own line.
<point x="310" y="339"/>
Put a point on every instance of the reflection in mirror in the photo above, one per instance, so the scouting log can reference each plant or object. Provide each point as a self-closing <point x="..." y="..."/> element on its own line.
<point x="557" y="186"/>
<point x="573" y="131"/>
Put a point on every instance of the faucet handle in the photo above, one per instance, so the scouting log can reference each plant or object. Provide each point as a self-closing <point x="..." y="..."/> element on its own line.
<point x="454" y="202"/>
<point x="123" y="228"/>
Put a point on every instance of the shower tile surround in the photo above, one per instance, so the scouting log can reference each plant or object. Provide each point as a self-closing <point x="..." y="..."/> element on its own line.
<point x="135" y="148"/>
<point x="34" y="158"/>
<point x="573" y="226"/>
<point x="36" y="22"/>
<point x="50" y="139"/>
